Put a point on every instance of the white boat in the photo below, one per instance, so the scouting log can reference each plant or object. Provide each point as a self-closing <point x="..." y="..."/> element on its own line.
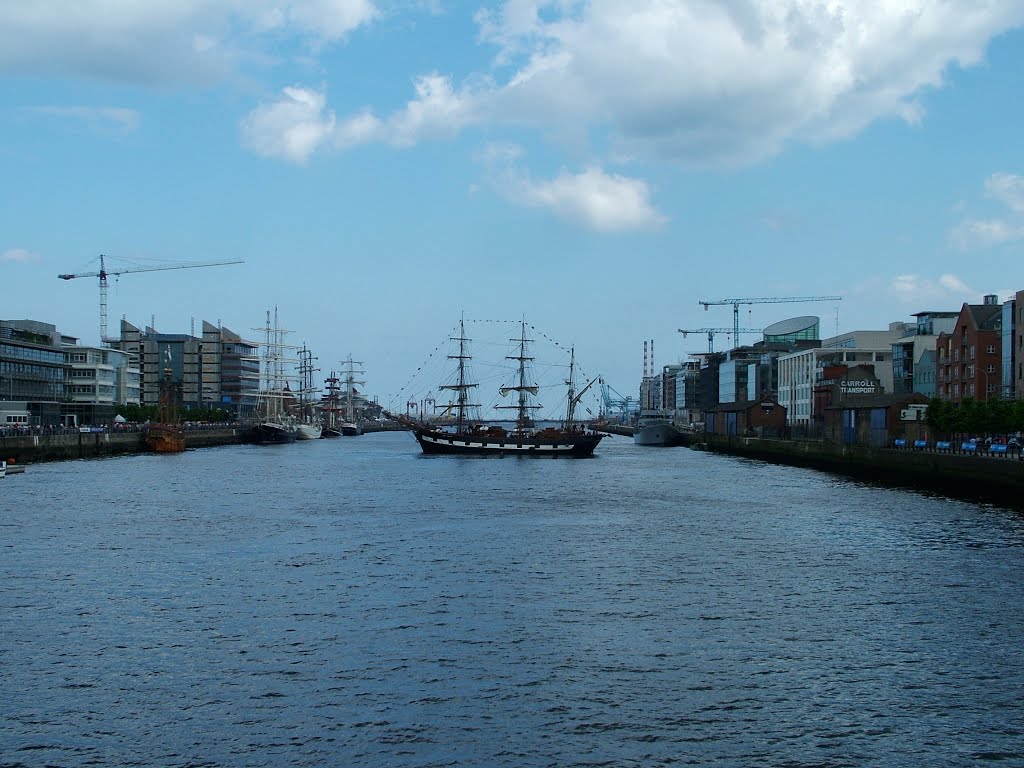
<point x="350" y="425"/>
<point x="10" y="469"/>
<point x="308" y="426"/>
<point x="657" y="428"/>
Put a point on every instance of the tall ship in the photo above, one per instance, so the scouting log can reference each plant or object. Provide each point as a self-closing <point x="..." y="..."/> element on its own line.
<point x="468" y="435"/>
<point x="274" y="423"/>
<point x="656" y="428"/>
<point x="308" y="425"/>
<point x="330" y="407"/>
<point x="351" y="425"/>
<point x="166" y="433"/>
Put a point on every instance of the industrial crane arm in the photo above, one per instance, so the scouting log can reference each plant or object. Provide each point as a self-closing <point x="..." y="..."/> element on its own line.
<point x="126" y="270"/>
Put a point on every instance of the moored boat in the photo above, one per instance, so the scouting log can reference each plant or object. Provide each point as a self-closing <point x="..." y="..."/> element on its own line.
<point x="8" y="467"/>
<point x="166" y="434"/>
<point x="275" y="425"/>
<point x="351" y="425"/>
<point x="468" y="435"/>
<point x="657" y="429"/>
<point x="330" y="408"/>
<point x="308" y="426"/>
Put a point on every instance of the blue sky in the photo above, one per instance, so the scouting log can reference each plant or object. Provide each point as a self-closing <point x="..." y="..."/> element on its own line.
<point x="597" y="167"/>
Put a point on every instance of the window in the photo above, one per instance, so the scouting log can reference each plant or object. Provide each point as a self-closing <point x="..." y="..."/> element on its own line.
<point x="972" y="351"/>
<point x="990" y="349"/>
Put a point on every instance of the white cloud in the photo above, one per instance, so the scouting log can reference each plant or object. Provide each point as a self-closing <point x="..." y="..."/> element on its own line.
<point x="922" y="292"/>
<point x="18" y="255"/>
<point x="1007" y="189"/>
<point x="160" y="41"/>
<point x="972" y="233"/>
<point x="293" y="127"/>
<point x="597" y="200"/>
<point x="298" y="123"/>
<point x="436" y="112"/>
<point x="730" y="83"/>
<point x="117" y="120"/>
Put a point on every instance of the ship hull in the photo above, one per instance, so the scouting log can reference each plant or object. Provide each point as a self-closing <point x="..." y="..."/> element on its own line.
<point x="348" y="429"/>
<point x="569" y="445"/>
<point x="273" y="434"/>
<point x="308" y="432"/>
<point x="165" y="440"/>
<point x="660" y="434"/>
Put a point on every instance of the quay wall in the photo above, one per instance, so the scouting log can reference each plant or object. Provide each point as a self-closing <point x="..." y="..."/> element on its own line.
<point x="25" y="449"/>
<point x="992" y="479"/>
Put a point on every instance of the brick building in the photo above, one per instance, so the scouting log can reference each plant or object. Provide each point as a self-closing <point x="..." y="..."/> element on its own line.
<point x="969" y="359"/>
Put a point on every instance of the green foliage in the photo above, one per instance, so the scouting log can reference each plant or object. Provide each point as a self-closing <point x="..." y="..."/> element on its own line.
<point x="975" y="418"/>
<point x="137" y="413"/>
<point x="143" y="413"/>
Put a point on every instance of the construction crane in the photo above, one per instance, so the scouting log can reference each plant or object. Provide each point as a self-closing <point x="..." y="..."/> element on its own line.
<point x="712" y="331"/>
<point x="613" y="402"/>
<point x="764" y="300"/>
<point x="104" y="272"/>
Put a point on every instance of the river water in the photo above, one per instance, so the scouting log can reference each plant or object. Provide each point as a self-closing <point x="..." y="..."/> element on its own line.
<point x="350" y="602"/>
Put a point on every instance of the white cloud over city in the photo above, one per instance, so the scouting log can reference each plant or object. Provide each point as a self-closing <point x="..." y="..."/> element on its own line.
<point x="18" y="255"/>
<point x="1006" y="226"/>
<point x="157" y="42"/>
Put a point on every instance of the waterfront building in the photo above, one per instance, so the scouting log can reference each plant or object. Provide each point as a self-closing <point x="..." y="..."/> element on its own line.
<point x="874" y="419"/>
<point x="687" y="385"/>
<point x="217" y="370"/>
<point x="32" y="373"/>
<point x="969" y="358"/>
<point x="913" y="355"/>
<point x="1018" y="346"/>
<point x="98" y="379"/>
<point x="799" y="372"/>
<point x="762" y="418"/>
<point x="1012" y="379"/>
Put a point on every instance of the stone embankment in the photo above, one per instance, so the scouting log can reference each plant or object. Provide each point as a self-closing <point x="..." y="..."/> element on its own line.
<point x="996" y="479"/>
<point x="69" y="444"/>
<point x="61" y="444"/>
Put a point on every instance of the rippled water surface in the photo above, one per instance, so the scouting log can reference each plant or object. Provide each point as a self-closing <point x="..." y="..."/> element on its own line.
<point x="350" y="602"/>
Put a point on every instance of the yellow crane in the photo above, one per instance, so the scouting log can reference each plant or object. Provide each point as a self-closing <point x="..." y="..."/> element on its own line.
<point x="104" y="272"/>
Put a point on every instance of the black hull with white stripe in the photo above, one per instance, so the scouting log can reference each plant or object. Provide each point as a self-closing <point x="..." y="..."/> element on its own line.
<point x="576" y="445"/>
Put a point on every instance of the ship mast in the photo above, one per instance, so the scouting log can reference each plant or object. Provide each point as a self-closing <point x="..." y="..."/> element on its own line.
<point x="350" y="382"/>
<point x="523" y="406"/>
<point x="462" y="387"/>
<point x="573" y="396"/>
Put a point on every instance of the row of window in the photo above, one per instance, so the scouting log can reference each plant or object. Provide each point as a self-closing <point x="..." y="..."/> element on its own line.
<point x="12" y="352"/>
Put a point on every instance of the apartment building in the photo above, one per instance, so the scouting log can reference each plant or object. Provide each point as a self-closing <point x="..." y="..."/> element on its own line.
<point x="969" y="358"/>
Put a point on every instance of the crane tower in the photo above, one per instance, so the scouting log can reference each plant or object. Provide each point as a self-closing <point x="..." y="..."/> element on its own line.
<point x="712" y="331"/>
<point x="104" y="272"/>
<point x="763" y="300"/>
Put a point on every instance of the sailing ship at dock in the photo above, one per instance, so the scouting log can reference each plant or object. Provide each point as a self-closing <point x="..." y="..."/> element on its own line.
<point x="308" y="426"/>
<point x="351" y="425"/>
<point x="275" y="425"/>
<point x="330" y="406"/>
<point x="166" y="434"/>
<point x="469" y="435"/>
